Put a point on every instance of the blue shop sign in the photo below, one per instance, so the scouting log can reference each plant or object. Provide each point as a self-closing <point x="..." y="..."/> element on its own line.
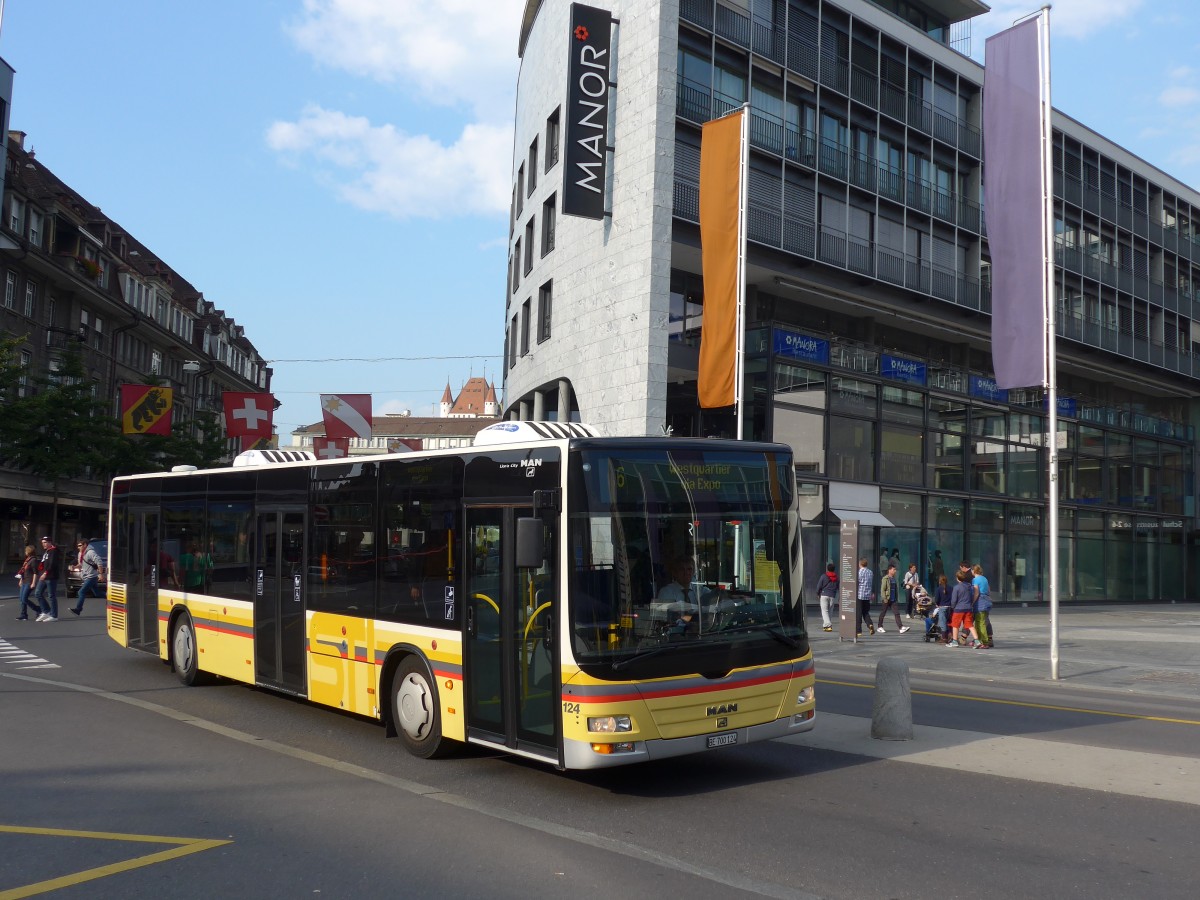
<point x="986" y="389"/>
<point x="898" y="369"/>
<point x="800" y="346"/>
<point x="1067" y="406"/>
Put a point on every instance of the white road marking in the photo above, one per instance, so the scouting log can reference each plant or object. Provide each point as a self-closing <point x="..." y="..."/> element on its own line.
<point x="12" y="655"/>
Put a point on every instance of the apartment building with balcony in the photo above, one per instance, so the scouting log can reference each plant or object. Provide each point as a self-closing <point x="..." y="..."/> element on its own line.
<point x="868" y="305"/>
<point x="73" y="277"/>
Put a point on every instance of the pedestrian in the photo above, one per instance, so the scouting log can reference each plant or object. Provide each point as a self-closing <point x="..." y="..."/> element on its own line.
<point x="1017" y="566"/>
<point x="26" y="579"/>
<point x="865" y="591"/>
<point x="889" y="593"/>
<point x="962" y="599"/>
<point x="983" y="608"/>
<point x="197" y="566"/>
<point x="47" y="581"/>
<point x="941" y="597"/>
<point x="911" y="581"/>
<point x="937" y="568"/>
<point x="827" y="591"/>
<point x="91" y="572"/>
<point x="160" y="567"/>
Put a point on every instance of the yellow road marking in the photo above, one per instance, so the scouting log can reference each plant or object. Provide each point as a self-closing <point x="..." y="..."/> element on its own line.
<point x="1075" y="709"/>
<point x="183" y="847"/>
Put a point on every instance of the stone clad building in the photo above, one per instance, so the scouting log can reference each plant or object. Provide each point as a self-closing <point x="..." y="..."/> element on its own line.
<point x="75" y="278"/>
<point x="868" y="302"/>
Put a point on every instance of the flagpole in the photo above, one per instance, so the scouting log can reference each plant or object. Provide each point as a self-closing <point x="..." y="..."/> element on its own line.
<point x="1049" y="302"/>
<point x="739" y="371"/>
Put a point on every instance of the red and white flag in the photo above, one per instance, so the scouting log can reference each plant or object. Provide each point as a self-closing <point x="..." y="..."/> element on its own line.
<point x="331" y="448"/>
<point x="347" y="415"/>
<point x="257" y="442"/>
<point x="248" y="414"/>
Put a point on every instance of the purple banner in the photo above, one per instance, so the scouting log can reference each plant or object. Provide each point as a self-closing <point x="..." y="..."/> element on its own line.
<point x="1013" y="160"/>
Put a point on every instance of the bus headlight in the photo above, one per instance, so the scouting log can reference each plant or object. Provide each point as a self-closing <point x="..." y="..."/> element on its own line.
<point x="806" y="695"/>
<point x="609" y="724"/>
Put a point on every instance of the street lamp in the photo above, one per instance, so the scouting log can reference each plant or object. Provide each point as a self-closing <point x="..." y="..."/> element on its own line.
<point x="195" y="369"/>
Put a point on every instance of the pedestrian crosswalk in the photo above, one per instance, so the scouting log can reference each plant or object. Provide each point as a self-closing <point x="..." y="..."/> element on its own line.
<point x="12" y="656"/>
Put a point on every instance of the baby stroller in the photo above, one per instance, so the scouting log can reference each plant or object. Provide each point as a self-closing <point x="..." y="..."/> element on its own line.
<point x="928" y="611"/>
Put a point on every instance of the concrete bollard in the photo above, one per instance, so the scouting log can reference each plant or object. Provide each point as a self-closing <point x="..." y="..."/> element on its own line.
<point x="891" y="718"/>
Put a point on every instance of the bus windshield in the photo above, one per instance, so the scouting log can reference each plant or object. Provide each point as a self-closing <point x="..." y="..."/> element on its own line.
<point x="681" y="560"/>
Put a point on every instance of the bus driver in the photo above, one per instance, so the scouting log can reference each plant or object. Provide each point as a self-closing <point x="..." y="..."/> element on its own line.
<point x="678" y="598"/>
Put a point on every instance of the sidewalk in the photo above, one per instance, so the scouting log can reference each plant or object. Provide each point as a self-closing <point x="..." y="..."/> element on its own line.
<point x="1144" y="649"/>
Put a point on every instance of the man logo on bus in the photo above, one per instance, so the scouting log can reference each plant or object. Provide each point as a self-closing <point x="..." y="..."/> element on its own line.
<point x="722" y="709"/>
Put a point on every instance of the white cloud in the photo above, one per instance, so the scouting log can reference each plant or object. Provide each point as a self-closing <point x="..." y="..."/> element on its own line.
<point x="457" y="53"/>
<point x="1178" y="95"/>
<point x="1076" y="19"/>
<point x="382" y="169"/>
<point x="449" y="53"/>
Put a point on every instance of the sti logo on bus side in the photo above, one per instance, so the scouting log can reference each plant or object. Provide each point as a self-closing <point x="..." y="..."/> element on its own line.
<point x="722" y="709"/>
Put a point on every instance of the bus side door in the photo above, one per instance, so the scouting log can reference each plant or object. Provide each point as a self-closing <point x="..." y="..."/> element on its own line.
<point x="143" y="577"/>
<point x="279" y="569"/>
<point x="511" y="675"/>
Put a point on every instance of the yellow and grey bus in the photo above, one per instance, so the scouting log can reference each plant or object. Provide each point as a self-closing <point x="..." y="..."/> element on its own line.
<point x="515" y="595"/>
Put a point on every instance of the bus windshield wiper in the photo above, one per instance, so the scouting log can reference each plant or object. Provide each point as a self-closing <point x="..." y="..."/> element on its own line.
<point x="773" y="630"/>
<point x="620" y="664"/>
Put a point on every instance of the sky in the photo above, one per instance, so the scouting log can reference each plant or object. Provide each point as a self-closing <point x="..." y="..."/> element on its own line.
<point x="335" y="174"/>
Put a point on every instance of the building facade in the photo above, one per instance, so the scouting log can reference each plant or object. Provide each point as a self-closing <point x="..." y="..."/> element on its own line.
<point x="868" y="304"/>
<point x="459" y="419"/>
<point x="73" y="277"/>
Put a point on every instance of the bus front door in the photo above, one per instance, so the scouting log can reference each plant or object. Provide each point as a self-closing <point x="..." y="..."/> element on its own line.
<point x="141" y="595"/>
<point x="279" y="568"/>
<point x="511" y="674"/>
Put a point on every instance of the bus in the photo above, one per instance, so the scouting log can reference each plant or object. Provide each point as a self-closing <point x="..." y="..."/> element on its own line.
<point x="511" y="594"/>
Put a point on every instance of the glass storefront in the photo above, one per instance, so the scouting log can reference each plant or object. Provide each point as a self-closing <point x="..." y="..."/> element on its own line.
<point x="961" y="468"/>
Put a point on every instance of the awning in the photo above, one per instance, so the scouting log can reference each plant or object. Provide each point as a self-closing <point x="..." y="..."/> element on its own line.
<point x="870" y="519"/>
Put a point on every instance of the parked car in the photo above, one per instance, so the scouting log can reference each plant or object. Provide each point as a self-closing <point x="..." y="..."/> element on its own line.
<point x="73" y="579"/>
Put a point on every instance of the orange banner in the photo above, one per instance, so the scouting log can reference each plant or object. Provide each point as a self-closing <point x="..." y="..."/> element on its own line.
<point x="720" y="161"/>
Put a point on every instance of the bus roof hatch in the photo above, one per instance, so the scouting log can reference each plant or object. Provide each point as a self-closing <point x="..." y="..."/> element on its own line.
<point x="520" y="432"/>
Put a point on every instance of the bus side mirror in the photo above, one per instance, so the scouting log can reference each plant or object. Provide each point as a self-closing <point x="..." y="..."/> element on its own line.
<point x="531" y="543"/>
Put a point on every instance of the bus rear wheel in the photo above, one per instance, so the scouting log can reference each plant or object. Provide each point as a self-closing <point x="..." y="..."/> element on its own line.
<point x="184" y="656"/>
<point x="417" y="712"/>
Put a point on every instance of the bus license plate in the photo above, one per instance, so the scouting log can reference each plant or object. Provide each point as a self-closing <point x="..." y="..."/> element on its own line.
<point x="722" y="740"/>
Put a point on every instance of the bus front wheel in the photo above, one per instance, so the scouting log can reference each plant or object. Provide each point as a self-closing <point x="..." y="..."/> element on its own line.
<point x="184" y="655"/>
<point x="417" y="711"/>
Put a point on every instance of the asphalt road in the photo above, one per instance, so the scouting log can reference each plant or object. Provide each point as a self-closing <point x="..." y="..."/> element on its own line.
<point x="1002" y="794"/>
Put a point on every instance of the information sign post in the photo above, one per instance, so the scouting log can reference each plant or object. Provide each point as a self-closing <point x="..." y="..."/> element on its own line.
<point x="848" y="581"/>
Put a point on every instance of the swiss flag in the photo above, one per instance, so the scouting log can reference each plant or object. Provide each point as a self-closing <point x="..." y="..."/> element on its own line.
<point x="248" y="414"/>
<point x="347" y="415"/>
<point x="331" y="448"/>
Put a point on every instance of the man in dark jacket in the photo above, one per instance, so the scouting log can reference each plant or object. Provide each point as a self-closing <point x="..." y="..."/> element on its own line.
<point x="827" y="591"/>
<point x="48" y="568"/>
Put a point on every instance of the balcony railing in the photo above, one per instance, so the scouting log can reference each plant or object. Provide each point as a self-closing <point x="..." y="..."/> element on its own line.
<point x="698" y="12"/>
<point x="769" y="41"/>
<point x="802" y="56"/>
<point x="864" y="86"/>
<point x="835" y="73"/>
<point x="832" y="157"/>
